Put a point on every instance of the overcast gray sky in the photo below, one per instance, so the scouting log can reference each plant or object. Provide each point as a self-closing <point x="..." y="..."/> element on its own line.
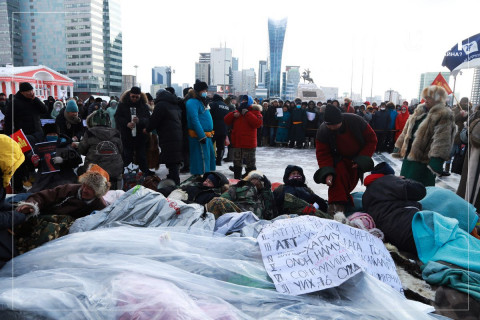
<point x="394" y="40"/>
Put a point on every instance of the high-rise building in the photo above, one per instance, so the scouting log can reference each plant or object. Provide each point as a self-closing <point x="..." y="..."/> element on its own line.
<point x="393" y="96"/>
<point x="262" y="68"/>
<point x="81" y="38"/>
<point x="276" y="36"/>
<point x="11" y="50"/>
<point x="220" y="66"/>
<point x="292" y="81"/>
<point x="427" y="78"/>
<point x="244" y="82"/>
<point x="128" y="81"/>
<point x="234" y="64"/>
<point x="476" y="87"/>
<point x="162" y="75"/>
<point x="202" y="68"/>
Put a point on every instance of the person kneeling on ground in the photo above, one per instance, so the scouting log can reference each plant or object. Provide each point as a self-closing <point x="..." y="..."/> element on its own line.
<point x="295" y="185"/>
<point x="54" y="210"/>
<point x="253" y="193"/>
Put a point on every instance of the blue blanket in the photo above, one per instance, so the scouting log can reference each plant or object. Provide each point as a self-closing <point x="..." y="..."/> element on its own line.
<point x="449" y="204"/>
<point x="439" y="238"/>
<point x="459" y="279"/>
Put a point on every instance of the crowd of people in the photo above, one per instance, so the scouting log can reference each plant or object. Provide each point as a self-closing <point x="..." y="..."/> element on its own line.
<point x="193" y="134"/>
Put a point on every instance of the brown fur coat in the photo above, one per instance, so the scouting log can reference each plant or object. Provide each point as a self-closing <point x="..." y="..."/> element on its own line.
<point x="434" y="136"/>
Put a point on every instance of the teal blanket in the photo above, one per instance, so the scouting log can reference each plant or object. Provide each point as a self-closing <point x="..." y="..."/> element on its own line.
<point x="459" y="279"/>
<point x="449" y="204"/>
<point x="439" y="238"/>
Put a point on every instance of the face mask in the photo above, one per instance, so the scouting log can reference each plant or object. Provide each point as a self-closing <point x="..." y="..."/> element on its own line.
<point x="244" y="105"/>
<point x="204" y="94"/>
<point x="382" y="108"/>
<point x="403" y="111"/>
<point x="52" y="138"/>
<point x="298" y="106"/>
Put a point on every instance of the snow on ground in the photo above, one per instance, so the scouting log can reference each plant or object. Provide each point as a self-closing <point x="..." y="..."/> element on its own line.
<point x="272" y="162"/>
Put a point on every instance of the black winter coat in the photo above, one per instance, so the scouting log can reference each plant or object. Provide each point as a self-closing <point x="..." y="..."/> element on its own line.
<point x="297" y="131"/>
<point x="392" y="202"/>
<point x="381" y="120"/>
<point x="124" y="116"/>
<point x="298" y="189"/>
<point x="218" y="110"/>
<point x="167" y="120"/>
<point x="270" y="119"/>
<point x="26" y="115"/>
<point x="312" y="126"/>
<point x="7" y="248"/>
<point x="69" y="129"/>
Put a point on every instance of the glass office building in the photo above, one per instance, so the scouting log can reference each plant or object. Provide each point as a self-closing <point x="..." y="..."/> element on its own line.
<point x="79" y="38"/>
<point x="276" y="36"/>
<point x="11" y="51"/>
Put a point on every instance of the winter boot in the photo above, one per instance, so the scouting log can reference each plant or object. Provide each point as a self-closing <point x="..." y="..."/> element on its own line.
<point x="237" y="172"/>
<point x="312" y="143"/>
<point x="446" y="172"/>
<point x="218" y="162"/>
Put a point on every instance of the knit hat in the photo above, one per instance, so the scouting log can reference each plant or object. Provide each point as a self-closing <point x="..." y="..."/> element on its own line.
<point x="97" y="179"/>
<point x="214" y="179"/>
<point x="170" y="89"/>
<point x="135" y="90"/>
<point x="200" y="86"/>
<point x="99" y="118"/>
<point x="333" y="115"/>
<point x="25" y="86"/>
<point x="71" y="106"/>
<point x="149" y="96"/>
<point x="383" y="168"/>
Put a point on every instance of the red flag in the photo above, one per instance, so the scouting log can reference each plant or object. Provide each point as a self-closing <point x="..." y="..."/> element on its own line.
<point x="441" y="82"/>
<point x="19" y="136"/>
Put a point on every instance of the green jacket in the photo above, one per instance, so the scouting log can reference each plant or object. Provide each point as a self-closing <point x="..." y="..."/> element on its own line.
<point x="246" y="196"/>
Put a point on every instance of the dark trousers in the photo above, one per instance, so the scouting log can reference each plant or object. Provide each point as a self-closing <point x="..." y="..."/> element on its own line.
<point x="381" y="140"/>
<point x="173" y="172"/>
<point x="219" y="141"/>
<point x="139" y="147"/>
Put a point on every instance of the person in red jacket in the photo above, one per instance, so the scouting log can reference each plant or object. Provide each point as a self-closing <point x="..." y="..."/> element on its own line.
<point x="345" y="144"/>
<point x="401" y="119"/>
<point x="244" y="123"/>
<point x="347" y="107"/>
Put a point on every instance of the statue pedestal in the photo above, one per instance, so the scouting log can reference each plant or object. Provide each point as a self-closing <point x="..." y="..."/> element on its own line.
<point x="310" y="91"/>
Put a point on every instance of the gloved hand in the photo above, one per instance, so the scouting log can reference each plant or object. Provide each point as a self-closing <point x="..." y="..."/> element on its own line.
<point x="35" y="160"/>
<point x="57" y="160"/>
<point x="308" y="210"/>
<point x="266" y="183"/>
<point x="244" y="111"/>
<point x="203" y="140"/>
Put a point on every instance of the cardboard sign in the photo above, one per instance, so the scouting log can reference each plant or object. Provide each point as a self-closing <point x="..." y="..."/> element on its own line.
<point x="307" y="254"/>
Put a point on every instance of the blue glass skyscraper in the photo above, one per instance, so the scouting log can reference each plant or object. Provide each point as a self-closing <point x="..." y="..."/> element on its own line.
<point x="276" y="35"/>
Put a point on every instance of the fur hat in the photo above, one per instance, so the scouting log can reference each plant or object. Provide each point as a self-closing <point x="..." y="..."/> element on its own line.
<point x="254" y="174"/>
<point x="25" y="86"/>
<point x="71" y="106"/>
<point x="437" y="93"/>
<point x="97" y="179"/>
<point x="200" y="86"/>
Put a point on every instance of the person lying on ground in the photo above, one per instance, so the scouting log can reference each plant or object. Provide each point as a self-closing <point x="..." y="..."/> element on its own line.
<point x="253" y="193"/>
<point x="54" y="210"/>
<point x="295" y="185"/>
